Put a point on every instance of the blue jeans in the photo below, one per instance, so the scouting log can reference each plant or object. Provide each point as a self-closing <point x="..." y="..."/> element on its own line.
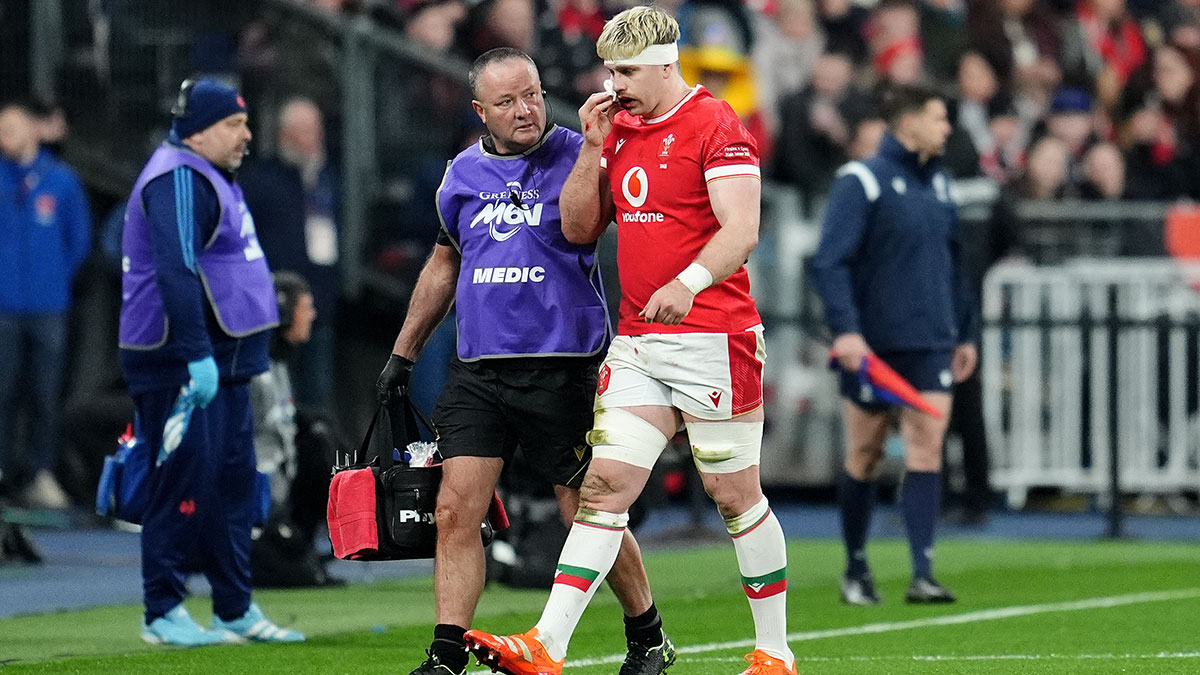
<point x="32" y="356"/>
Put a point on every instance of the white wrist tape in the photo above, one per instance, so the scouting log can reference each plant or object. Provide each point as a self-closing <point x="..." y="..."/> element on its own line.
<point x="696" y="277"/>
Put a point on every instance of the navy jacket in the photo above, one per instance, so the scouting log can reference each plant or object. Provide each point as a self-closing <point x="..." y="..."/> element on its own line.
<point x="281" y="205"/>
<point x="45" y="235"/>
<point x="195" y="332"/>
<point x="889" y="263"/>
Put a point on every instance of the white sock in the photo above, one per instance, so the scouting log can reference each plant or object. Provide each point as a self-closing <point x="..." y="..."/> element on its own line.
<point x="587" y="556"/>
<point x="762" y="560"/>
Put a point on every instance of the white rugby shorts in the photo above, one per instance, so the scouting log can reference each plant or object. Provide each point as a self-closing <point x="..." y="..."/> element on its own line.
<point x="712" y="376"/>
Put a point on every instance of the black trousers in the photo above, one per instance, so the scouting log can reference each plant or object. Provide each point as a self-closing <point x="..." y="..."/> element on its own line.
<point x="966" y="420"/>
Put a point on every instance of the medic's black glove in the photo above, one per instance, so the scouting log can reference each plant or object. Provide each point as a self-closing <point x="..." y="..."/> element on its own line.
<point x="393" y="381"/>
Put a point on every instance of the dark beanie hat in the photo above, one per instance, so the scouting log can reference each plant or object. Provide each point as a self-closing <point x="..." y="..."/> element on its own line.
<point x="207" y="103"/>
<point x="1071" y="100"/>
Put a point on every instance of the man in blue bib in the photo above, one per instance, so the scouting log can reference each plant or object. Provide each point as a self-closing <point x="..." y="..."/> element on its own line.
<point x="197" y="311"/>
<point x="532" y="328"/>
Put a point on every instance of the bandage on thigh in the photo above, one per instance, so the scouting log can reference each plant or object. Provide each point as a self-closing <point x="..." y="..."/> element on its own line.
<point x="725" y="447"/>
<point x="623" y="436"/>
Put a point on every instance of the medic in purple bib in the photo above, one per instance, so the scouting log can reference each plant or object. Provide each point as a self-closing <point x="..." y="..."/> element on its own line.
<point x="197" y="309"/>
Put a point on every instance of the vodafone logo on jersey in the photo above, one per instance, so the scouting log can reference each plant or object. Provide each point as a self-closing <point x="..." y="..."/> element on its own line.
<point x="635" y="186"/>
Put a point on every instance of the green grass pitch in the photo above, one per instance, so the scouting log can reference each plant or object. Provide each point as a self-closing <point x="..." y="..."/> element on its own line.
<point x="1077" y="607"/>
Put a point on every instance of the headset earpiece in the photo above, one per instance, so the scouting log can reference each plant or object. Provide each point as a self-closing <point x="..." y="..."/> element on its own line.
<point x="180" y="109"/>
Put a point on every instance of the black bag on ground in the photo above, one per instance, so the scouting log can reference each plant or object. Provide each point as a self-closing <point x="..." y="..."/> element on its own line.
<point x="526" y="556"/>
<point x="282" y="557"/>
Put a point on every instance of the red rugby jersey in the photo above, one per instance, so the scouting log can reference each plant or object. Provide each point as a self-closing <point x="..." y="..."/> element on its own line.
<point x="659" y="170"/>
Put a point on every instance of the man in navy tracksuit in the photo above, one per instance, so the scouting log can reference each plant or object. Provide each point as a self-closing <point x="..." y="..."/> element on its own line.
<point x="197" y="309"/>
<point x="888" y="271"/>
<point x="45" y="234"/>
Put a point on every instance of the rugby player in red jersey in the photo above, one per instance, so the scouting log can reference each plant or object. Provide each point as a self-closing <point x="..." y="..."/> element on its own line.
<point x="676" y="170"/>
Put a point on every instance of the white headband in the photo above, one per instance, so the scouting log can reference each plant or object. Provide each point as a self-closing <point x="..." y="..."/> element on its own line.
<point x="654" y="55"/>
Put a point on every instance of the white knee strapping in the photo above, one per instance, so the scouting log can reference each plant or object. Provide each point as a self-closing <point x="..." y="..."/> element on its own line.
<point x="619" y="434"/>
<point x="725" y="447"/>
<point x="602" y="519"/>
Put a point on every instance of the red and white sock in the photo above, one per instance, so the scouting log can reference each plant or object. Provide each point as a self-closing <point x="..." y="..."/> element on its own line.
<point x="587" y="556"/>
<point x="762" y="559"/>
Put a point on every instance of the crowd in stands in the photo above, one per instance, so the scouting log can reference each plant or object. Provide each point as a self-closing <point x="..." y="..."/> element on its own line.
<point x="1050" y="99"/>
<point x="1105" y="91"/>
<point x="803" y="74"/>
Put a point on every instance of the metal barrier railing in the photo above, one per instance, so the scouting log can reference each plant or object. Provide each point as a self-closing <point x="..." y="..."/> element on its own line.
<point x="1090" y="378"/>
<point x="1035" y="411"/>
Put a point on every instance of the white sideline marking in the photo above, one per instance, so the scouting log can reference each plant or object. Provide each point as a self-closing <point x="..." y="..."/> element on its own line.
<point x="970" y="657"/>
<point x="947" y="620"/>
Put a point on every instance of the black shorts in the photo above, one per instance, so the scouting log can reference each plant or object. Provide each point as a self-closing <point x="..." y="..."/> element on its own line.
<point x="925" y="371"/>
<point x="544" y="405"/>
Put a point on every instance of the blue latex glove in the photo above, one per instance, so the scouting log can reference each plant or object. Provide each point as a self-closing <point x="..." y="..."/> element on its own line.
<point x="204" y="380"/>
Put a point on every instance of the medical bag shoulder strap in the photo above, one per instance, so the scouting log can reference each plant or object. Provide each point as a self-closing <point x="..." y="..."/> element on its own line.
<point x="402" y="417"/>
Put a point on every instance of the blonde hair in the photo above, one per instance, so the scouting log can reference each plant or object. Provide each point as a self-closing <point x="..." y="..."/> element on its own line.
<point x="631" y="31"/>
